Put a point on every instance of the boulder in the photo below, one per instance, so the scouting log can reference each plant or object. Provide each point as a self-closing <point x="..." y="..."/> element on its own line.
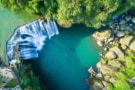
<point x="114" y="63"/>
<point x="106" y="84"/>
<point x="133" y="19"/>
<point x="100" y="43"/>
<point x="112" y="80"/>
<point x="107" y="77"/>
<point x="106" y="69"/>
<point x="14" y="88"/>
<point x="127" y="32"/>
<point x="99" y="76"/>
<point x="7" y="75"/>
<point x="124" y="47"/>
<point x="128" y="29"/>
<point x="122" y="22"/>
<point x="126" y="40"/>
<point x="117" y="51"/>
<point x="102" y="37"/>
<point x="122" y="27"/>
<point x="132" y="46"/>
<point x="110" y="39"/>
<point x="128" y="18"/>
<point x="92" y="72"/>
<point x="132" y="81"/>
<point x="97" y="86"/>
<point x="99" y="65"/>
<point x="110" y="55"/>
<point x="120" y="34"/>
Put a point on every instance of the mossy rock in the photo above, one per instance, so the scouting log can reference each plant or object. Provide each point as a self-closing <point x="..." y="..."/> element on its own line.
<point x="12" y="83"/>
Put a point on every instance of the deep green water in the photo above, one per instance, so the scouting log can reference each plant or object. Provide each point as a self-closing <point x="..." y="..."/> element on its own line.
<point x="65" y="59"/>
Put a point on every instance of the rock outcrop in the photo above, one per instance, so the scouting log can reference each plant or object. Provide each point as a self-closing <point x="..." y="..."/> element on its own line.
<point x="118" y="54"/>
<point x="8" y="79"/>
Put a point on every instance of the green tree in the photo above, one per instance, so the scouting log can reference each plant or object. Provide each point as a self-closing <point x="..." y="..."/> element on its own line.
<point x="67" y="12"/>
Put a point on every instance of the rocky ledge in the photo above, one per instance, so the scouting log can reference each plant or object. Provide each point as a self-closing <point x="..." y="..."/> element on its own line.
<point x="8" y="79"/>
<point x="115" y="70"/>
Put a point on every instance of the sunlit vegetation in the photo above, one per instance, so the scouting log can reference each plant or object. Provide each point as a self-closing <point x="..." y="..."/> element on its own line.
<point x="93" y="13"/>
<point x="124" y="75"/>
<point x="28" y="80"/>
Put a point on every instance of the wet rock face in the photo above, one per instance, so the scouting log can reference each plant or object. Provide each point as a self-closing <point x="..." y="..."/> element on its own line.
<point x="30" y="39"/>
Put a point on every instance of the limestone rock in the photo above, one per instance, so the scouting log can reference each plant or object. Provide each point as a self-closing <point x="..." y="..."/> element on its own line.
<point x="106" y="84"/>
<point x="106" y="69"/>
<point x="100" y="43"/>
<point x="126" y="40"/>
<point x="117" y="51"/>
<point x="14" y="88"/>
<point x="110" y="55"/>
<point x="99" y="65"/>
<point x="123" y="47"/>
<point x="102" y="37"/>
<point x="91" y="71"/>
<point x="132" y="46"/>
<point x="99" y="76"/>
<point x="97" y="86"/>
<point x="6" y="74"/>
<point x="106" y="77"/>
<point x="114" y="63"/>
<point x="112" y="80"/>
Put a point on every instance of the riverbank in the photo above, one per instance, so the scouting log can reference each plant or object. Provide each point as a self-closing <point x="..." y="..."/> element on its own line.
<point x="116" y="66"/>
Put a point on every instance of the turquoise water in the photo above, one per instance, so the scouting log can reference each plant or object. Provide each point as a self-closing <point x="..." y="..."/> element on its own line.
<point x="8" y="22"/>
<point x="65" y="59"/>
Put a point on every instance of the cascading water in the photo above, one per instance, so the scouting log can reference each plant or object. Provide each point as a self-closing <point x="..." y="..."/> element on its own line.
<point x="30" y="39"/>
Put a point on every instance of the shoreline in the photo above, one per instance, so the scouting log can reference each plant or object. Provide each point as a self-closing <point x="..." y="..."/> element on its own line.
<point x="117" y="46"/>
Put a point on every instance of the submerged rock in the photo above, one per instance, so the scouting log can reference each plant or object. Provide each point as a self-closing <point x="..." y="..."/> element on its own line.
<point x="122" y="22"/>
<point x="30" y="39"/>
<point x="128" y="18"/>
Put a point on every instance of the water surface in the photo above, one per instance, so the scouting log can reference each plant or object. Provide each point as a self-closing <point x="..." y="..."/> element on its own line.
<point x="65" y="59"/>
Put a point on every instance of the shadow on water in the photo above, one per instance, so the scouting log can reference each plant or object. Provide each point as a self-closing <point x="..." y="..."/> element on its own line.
<point x="60" y="61"/>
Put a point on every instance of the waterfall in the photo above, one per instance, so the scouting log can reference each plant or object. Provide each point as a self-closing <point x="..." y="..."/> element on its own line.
<point x="30" y="39"/>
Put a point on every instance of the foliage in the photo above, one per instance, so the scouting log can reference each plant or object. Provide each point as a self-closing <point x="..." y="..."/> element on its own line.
<point x="28" y="80"/>
<point x="123" y="76"/>
<point x="90" y="12"/>
<point x="12" y="83"/>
